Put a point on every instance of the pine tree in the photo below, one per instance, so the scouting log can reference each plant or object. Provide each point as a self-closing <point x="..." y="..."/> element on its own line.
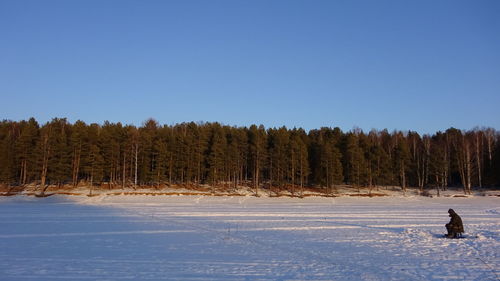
<point x="180" y="153"/>
<point x="60" y="164"/>
<point x="325" y="157"/>
<point x="257" y="146"/>
<point x="491" y="141"/>
<point x="198" y="135"/>
<point x="438" y="168"/>
<point x="216" y="158"/>
<point x="495" y="162"/>
<point x="8" y="136"/>
<point x="94" y="168"/>
<point x="26" y="151"/>
<point x="161" y="148"/>
<point x="62" y="153"/>
<point x="44" y="148"/>
<point x="354" y="160"/>
<point x="401" y="159"/>
<point x="240" y="137"/>
<point x="303" y="158"/>
<point x="232" y="156"/>
<point x="148" y="155"/>
<point x="372" y="153"/>
<point x="387" y="175"/>
<point x="278" y="142"/>
<point x="78" y="145"/>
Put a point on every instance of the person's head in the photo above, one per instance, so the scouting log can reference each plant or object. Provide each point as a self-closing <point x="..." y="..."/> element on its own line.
<point x="451" y="212"/>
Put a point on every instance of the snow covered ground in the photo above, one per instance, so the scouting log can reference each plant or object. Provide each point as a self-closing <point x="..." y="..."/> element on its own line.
<point x="246" y="238"/>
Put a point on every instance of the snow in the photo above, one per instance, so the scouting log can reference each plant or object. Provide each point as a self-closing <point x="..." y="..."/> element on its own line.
<point x="246" y="238"/>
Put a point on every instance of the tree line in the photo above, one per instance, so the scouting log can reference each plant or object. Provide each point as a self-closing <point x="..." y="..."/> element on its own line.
<point x="61" y="153"/>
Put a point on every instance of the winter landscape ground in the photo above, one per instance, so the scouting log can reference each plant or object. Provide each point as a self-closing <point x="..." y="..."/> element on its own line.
<point x="246" y="238"/>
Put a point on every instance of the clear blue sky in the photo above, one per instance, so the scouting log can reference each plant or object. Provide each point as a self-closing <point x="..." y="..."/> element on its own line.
<point x="419" y="65"/>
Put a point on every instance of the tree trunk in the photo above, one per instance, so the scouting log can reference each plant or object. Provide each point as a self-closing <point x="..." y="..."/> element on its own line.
<point x="468" y="168"/>
<point x="301" y="175"/>
<point x="24" y="172"/>
<point x="198" y="180"/>
<point x="328" y="178"/>
<point x="76" y="164"/>
<point x="158" y="179"/>
<point x="465" y="165"/>
<point x="45" y="162"/>
<point x="478" y="160"/>
<point x="135" y="175"/>
<point x="370" y="178"/>
<point x="427" y="145"/>
<point x="257" y="168"/>
<point x="437" y="184"/>
<point x="170" y="169"/>
<point x="403" y="177"/>
<point x="91" y="178"/>
<point x="489" y="143"/>
<point x="123" y="170"/>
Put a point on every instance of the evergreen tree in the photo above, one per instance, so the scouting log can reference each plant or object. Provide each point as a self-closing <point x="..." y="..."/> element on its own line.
<point x="26" y="151"/>
<point x="354" y="159"/>
<point x="44" y="150"/>
<point x="60" y="153"/>
<point x="387" y="175"/>
<point x="257" y="146"/>
<point x="147" y="154"/>
<point x="216" y="155"/>
<point x="438" y="168"/>
<point x="325" y="158"/>
<point x="232" y="156"/>
<point x="161" y="148"/>
<point x="278" y="141"/>
<point x="300" y="138"/>
<point x="372" y="152"/>
<point x="490" y="146"/>
<point x="79" y="143"/>
<point x="60" y="165"/>
<point x="401" y="159"/>
<point x="495" y="163"/>
<point x="8" y="136"/>
<point x="94" y="169"/>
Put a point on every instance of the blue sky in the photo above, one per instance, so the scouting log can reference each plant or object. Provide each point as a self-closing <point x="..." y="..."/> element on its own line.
<point x="418" y="65"/>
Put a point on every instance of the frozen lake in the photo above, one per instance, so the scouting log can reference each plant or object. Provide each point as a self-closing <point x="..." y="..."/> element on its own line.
<point x="246" y="238"/>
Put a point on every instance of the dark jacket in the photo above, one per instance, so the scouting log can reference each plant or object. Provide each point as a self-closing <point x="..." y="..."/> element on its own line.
<point x="455" y="224"/>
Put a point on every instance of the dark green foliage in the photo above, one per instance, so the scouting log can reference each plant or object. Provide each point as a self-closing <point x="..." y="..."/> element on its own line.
<point x="494" y="170"/>
<point x="223" y="156"/>
<point x="354" y="159"/>
<point x="216" y="160"/>
<point x="26" y="151"/>
<point x="257" y="153"/>
<point x="147" y="154"/>
<point x="60" y="161"/>
<point x="278" y="140"/>
<point x="95" y="160"/>
<point x="401" y="159"/>
<point x="161" y="152"/>
<point x="8" y="135"/>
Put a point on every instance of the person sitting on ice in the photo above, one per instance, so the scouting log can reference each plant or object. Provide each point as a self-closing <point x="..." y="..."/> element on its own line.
<point x="455" y="227"/>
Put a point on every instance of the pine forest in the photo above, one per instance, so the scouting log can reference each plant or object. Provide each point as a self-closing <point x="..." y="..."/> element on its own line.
<point x="60" y="153"/>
